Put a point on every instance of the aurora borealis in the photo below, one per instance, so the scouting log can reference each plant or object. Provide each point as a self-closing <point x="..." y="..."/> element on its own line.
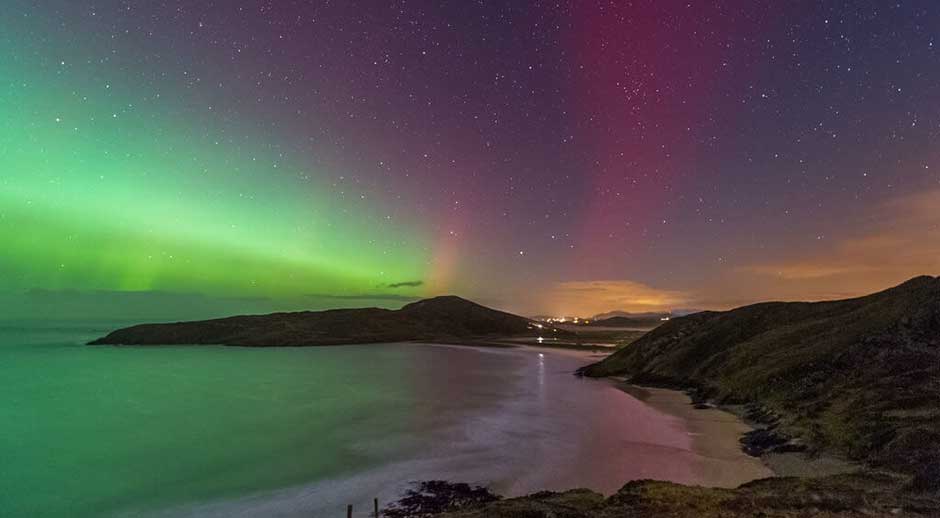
<point x="541" y="157"/>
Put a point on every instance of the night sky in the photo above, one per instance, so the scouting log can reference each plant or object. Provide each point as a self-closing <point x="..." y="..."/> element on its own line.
<point x="542" y="157"/>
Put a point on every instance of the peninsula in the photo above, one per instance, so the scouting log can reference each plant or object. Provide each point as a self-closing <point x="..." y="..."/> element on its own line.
<point x="444" y="318"/>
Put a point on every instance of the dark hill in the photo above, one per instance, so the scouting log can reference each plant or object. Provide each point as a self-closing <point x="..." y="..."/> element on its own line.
<point x="439" y="318"/>
<point x="628" y="314"/>
<point x="859" y="376"/>
<point x="644" y="322"/>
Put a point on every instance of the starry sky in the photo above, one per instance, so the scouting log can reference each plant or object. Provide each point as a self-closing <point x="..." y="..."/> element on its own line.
<point x="541" y="157"/>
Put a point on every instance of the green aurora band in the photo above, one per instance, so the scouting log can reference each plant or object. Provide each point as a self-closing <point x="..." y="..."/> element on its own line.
<point x="106" y="185"/>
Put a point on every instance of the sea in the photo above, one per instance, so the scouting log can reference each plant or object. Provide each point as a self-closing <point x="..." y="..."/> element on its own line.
<point x="212" y="431"/>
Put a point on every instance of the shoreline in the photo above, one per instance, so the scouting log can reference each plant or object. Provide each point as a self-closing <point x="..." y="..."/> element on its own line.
<point x="704" y="422"/>
<point x="715" y="432"/>
<point x="507" y="343"/>
<point x="715" y="436"/>
<point x="711" y="427"/>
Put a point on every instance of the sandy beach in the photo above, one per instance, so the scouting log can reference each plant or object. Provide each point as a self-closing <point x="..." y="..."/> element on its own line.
<point x="715" y="433"/>
<point x="715" y="436"/>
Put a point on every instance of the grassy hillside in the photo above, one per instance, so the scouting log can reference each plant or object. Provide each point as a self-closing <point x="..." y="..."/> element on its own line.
<point x="860" y="377"/>
<point x="845" y="496"/>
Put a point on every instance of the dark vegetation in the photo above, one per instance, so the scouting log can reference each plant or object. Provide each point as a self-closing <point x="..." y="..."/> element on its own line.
<point x="439" y="318"/>
<point x="843" y="496"/>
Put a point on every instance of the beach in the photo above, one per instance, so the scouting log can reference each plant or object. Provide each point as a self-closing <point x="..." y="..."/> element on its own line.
<point x="715" y="436"/>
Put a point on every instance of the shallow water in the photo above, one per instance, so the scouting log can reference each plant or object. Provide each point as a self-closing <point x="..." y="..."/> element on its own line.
<point x="218" y="431"/>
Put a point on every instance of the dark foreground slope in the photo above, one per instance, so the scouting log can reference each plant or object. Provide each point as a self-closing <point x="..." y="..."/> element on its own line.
<point x="439" y="318"/>
<point x="860" y="377"/>
<point x="843" y="496"/>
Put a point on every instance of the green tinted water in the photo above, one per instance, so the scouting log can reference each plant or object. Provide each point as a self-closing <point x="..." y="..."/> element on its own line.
<point x="85" y="431"/>
<point x="217" y="432"/>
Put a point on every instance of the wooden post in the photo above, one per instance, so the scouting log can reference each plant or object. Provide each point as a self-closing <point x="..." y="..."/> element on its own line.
<point x="375" y="504"/>
<point x="349" y="511"/>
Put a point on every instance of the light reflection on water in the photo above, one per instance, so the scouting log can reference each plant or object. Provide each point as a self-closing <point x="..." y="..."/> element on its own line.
<point x="214" y="431"/>
<point x="515" y="420"/>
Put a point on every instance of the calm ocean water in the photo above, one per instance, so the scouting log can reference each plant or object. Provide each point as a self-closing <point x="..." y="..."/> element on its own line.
<point x="217" y="431"/>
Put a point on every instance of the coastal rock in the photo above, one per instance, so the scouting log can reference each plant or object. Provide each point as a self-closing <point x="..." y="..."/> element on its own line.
<point x="433" y="497"/>
<point x="927" y="477"/>
<point x="757" y="442"/>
